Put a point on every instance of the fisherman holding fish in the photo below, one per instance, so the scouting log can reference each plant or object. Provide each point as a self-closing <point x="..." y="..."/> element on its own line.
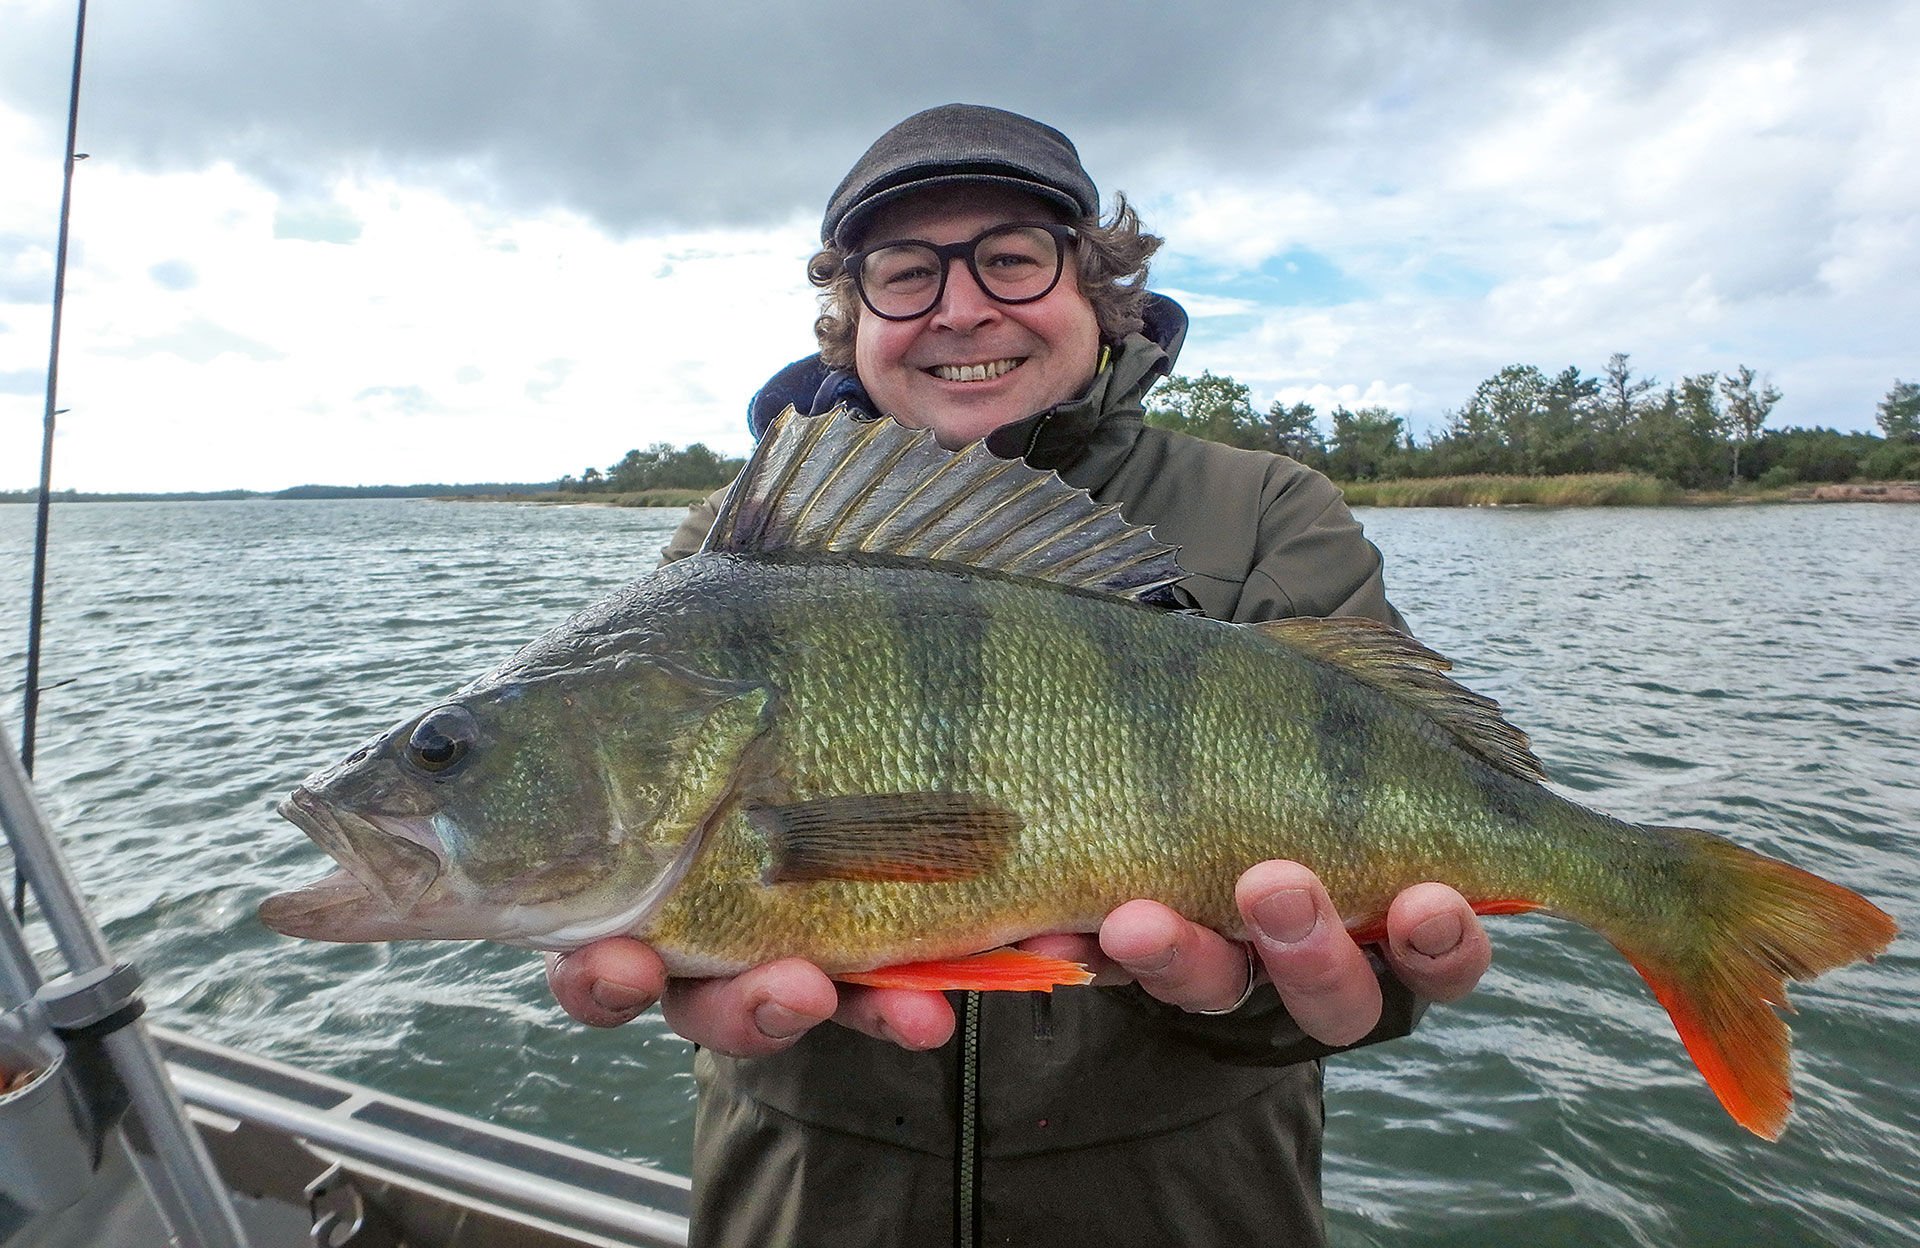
<point x="971" y="288"/>
<point x="904" y="715"/>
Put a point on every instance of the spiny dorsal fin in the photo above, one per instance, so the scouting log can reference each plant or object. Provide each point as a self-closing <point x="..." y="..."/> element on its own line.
<point x="1403" y="669"/>
<point x="839" y="484"/>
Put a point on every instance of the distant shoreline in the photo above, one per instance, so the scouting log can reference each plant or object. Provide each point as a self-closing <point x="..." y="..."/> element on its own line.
<point x="295" y="494"/>
<point x="1609" y="490"/>
<point x="1407" y="492"/>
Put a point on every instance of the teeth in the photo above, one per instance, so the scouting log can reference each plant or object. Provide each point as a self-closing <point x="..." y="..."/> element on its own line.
<point x="974" y="372"/>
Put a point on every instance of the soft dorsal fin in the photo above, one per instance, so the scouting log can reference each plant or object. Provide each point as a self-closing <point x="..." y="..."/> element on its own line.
<point x="1406" y="671"/>
<point x="839" y="484"/>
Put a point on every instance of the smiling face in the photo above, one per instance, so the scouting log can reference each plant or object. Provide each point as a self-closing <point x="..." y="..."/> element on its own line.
<point x="972" y="364"/>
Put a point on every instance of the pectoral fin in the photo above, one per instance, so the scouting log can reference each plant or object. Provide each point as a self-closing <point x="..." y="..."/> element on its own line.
<point x="893" y="837"/>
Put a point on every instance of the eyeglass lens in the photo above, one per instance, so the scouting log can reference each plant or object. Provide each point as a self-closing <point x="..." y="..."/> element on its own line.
<point x="1014" y="264"/>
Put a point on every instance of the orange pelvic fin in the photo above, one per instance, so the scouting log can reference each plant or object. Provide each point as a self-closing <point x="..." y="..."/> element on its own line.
<point x="997" y="970"/>
<point x="1764" y="923"/>
<point x="1373" y="931"/>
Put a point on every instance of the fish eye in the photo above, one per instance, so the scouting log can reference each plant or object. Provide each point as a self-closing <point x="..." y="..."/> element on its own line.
<point x="442" y="739"/>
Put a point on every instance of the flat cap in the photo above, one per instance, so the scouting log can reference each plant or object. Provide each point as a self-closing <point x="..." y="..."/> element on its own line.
<point x="956" y="144"/>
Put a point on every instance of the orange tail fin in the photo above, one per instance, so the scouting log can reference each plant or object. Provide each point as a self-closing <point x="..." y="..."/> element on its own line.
<point x="1762" y="923"/>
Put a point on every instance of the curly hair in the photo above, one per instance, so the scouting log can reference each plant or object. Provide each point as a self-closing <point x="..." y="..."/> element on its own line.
<point x="1110" y="263"/>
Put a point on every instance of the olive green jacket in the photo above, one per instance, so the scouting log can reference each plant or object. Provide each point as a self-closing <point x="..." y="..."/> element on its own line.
<point x="1095" y="1116"/>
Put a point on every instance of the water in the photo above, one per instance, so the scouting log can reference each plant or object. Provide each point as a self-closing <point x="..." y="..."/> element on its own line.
<point x="1753" y="671"/>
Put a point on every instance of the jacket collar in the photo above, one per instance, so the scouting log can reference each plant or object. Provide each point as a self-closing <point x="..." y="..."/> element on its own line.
<point x="1084" y="439"/>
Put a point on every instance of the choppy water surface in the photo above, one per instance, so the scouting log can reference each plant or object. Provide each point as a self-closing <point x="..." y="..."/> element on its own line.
<point x="1753" y="671"/>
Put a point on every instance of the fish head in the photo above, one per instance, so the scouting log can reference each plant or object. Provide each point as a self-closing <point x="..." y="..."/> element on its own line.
<point x="542" y="812"/>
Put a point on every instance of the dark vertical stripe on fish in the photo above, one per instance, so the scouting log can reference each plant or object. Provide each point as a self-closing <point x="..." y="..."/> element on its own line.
<point x="943" y="650"/>
<point x="1343" y="733"/>
<point x="1153" y="701"/>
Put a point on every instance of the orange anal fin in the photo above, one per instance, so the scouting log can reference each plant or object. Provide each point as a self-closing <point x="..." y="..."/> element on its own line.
<point x="1373" y="931"/>
<point x="997" y="970"/>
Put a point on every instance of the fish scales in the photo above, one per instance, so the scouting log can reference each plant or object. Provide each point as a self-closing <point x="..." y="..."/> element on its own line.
<point x="1027" y="710"/>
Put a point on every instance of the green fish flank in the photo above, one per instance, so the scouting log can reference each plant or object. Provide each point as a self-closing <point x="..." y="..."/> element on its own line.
<point x="1148" y="755"/>
<point x="908" y="706"/>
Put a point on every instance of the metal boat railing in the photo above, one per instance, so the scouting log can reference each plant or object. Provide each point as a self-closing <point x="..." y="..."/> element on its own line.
<point x="281" y="1131"/>
<point x="95" y="1001"/>
<point x="234" y="1149"/>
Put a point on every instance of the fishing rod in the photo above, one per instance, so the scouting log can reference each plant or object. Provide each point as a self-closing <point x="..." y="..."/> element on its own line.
<point x="43" y="505"/>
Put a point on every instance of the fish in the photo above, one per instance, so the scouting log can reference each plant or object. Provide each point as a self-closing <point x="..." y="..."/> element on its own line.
<point x="907" y="707"/>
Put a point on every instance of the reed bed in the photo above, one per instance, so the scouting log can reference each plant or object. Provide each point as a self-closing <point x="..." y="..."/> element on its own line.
<point x="1598" y="489"/>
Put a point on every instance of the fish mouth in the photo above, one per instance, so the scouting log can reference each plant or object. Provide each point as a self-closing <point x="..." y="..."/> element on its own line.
<point x="387" y="864"/>
<point x="335" y="907"/>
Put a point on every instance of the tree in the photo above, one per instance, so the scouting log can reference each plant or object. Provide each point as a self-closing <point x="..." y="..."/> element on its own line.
<point x="664" y="467"/>
<point x="1219" y="409"/>
<point x="1747" y="409"/>
<point x="638" y="470"/>
<point x="1899" y="413"/>
<point x="1564" y="438"/>
<point x="1366" y="444"/>
<point x="1620" y="394"/>
<point x="1291" y="431"/>
<point x="1680" y="440"/>
<point x="1509" y="405"/>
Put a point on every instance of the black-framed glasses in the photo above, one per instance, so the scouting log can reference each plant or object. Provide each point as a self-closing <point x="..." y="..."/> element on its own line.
<point x="1015" y="263"/>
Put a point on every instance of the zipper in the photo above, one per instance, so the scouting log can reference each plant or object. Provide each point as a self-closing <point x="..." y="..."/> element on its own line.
<point x="966" y="1144"/>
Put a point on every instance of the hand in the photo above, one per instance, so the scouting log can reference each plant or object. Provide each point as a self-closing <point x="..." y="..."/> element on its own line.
<point x="1435" y="946"/>
<point x="753" y="1014"/>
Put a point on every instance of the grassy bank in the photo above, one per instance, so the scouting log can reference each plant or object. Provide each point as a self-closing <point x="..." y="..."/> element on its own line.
<point x="1603" y="489"/>
<point x="1607" y="489"/>
<point x="637" y="498"/>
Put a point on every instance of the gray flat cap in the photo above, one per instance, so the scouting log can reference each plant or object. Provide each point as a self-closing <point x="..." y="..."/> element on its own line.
<point x="956" y="144"/>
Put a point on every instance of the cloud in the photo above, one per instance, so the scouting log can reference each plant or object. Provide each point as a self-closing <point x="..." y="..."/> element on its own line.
<point x="579" y="226"/>
<point x="641" y="115"/>
<point x="173" y="275"/>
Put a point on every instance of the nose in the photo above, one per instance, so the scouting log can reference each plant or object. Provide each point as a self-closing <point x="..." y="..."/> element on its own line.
<point x="963" y="305"/>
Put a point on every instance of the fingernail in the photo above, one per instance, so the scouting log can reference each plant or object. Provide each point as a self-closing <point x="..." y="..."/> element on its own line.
<point x="620" y="998"/>
<point x="1286" y="917"/>
<point x="777" y="1022"/>
<point x="1439" y="935"/>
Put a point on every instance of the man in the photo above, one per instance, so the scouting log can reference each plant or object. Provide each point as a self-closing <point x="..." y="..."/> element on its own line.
<point x="972" y="290"/>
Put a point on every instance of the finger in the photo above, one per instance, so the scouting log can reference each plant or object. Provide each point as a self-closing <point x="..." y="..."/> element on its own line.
<point x="753" y="1014"/>
<point x="1081" y="947"/>
<point x="902" y="1016"/>
<point x="1322" y="976"/>
<point x="606" y="983"/>
<point x="1436" y="945"/>
<point x="1173" y="958"/>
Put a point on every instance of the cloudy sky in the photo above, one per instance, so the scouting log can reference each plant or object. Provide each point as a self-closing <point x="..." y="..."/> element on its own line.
<point x="356" y="241"/>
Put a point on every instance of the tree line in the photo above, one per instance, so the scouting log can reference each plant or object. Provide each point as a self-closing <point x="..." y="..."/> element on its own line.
<point x="1706" y="429"/>
<point x="659" y="467"/>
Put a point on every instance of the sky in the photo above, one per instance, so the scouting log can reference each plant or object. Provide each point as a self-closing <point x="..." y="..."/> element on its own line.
<point x="394" y="241"/>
